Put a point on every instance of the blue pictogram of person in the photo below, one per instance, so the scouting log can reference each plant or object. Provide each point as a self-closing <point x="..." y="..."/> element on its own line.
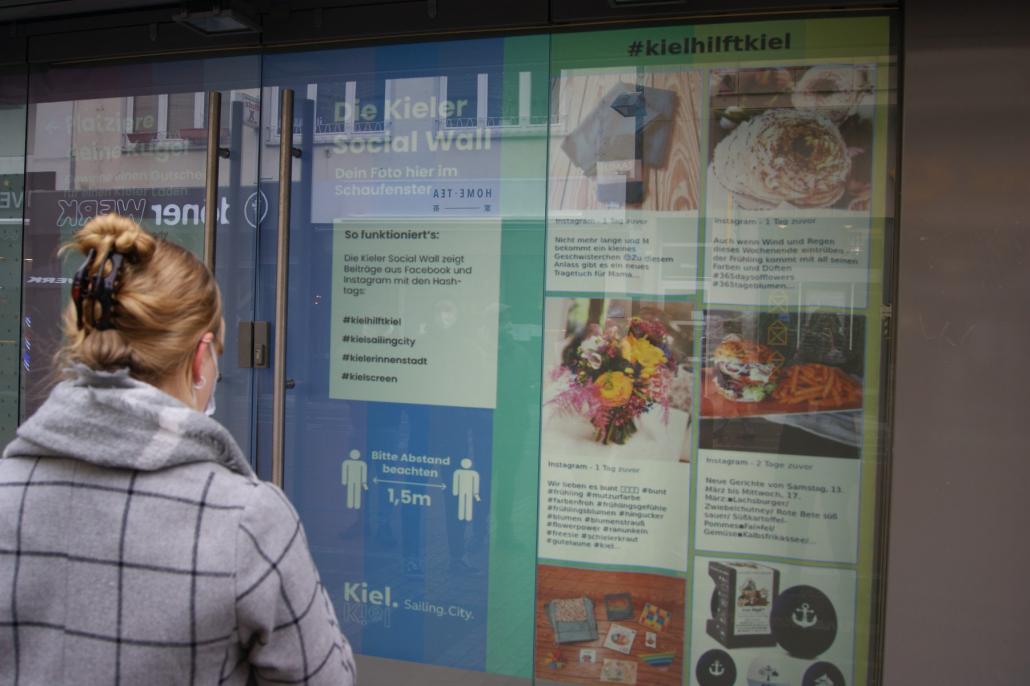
<point x="355" y="478"/>
<point x="465" y="485"/>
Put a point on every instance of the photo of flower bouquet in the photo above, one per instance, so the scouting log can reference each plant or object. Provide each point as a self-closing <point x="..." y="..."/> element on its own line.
<point x="615" y="376"/>
<point x="619" y="375"/>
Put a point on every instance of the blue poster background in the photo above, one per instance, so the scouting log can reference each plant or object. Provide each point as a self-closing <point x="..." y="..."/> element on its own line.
<point x="407" y="577"/>
<point x="432" y="565"/>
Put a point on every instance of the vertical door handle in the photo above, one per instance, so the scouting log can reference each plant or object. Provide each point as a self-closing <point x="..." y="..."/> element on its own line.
<point x="214" y="118"/>
<point x="282" y="265"/>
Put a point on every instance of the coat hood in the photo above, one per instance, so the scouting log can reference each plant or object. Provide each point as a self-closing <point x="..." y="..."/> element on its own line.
<point x="111" y="420"/>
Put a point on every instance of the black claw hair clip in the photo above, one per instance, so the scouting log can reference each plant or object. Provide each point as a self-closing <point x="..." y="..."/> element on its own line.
<point x="80" y="286"/>
<point x="104" y="287"/>
<point x="100" y="288"/>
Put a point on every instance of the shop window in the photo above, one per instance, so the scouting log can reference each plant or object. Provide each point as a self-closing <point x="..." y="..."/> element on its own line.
<point x="488" y="100"/>
<point x="350" y="106"/>
<point x="172" y="116"/>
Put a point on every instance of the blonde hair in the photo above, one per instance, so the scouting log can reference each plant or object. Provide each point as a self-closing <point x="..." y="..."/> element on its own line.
<point x="165" y="300"/>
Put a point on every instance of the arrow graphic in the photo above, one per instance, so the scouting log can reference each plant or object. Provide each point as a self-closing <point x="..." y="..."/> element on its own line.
<point x="377" y="480"/>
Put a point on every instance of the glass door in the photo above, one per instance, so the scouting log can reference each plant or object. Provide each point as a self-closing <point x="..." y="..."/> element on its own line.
<point x="12" y="197"/>
<point x="416" y="251"/>
<point x="133" y="139"/>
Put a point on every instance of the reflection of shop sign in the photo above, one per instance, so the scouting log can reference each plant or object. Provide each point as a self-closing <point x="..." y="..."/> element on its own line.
<point x="78" y="212"/>
<point x="11" y="194"/>
<point x="256" y="208"/>
<point x="251" y="111"/>
<point x="55" y="280"/>
<point x="74" y="212"/>
<point x="11" y="200"/>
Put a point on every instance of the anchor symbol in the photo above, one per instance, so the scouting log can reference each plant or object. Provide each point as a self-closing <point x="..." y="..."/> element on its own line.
<point x="716" y="669"/>
<point x="824" y="681"/>
<point x="805" y="616"/>
<point x="768" y="672"/>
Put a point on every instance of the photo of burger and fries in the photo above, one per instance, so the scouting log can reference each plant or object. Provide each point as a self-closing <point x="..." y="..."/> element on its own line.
<point x="788" y="383"/>
<point x="749" y="372"/>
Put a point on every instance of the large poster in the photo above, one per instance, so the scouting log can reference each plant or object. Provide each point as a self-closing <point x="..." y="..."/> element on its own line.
<point x="715" y="238"/>
<point x="414" y="462"/>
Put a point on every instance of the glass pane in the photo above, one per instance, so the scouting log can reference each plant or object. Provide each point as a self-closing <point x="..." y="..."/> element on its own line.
<point x="12" y="196"/>
<point x="123" y="138"/>
<point x="717" y="219"/>
<point x="677" y="363"/>
<point x="144" y="114"/>
<point x="416" y="275"/>
<point x="181" y="111"/>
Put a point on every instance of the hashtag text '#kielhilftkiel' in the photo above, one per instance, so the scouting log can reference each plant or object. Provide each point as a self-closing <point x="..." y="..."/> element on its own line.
<point x="712" y="44"/>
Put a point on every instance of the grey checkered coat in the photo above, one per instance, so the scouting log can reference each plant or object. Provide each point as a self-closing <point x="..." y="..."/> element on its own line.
<point x="138" y="547"/>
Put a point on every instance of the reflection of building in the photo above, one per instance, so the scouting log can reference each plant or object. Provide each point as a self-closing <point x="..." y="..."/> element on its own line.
<point x="146" y="141"/>
<point x="158" y="141"/>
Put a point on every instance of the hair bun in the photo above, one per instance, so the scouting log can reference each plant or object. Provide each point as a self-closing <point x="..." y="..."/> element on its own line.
<point x="113" y="232"/>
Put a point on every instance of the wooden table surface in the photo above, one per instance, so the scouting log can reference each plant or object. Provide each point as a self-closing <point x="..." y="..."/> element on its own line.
<point x="673" y="187"/>
<point x="665" y="592"/>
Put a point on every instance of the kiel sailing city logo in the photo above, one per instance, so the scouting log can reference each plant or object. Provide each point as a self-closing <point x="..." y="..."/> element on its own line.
<point x="805" y="616"/>
<point x="363" y="605"/>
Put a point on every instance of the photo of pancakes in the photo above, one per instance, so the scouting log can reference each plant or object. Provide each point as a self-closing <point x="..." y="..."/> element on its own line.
<point x="797" y="137"/>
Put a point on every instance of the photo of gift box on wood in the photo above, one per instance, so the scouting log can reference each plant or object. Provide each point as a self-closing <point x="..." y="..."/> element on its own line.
<point x="626" y="140"/>
<point x="624" y="651"/>
<point x="628" y="129"/>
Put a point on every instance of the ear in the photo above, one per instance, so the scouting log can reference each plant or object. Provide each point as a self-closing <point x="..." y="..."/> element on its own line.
<point x="199" y="355"/>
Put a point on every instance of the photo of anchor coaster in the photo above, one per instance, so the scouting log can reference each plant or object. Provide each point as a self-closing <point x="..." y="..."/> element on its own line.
<point x="716" y="668"/>
<point x="803" y="621"/>
<point x="823" y="674"/>
<point x="766" y="670"/>
<point x="776" y="621"/>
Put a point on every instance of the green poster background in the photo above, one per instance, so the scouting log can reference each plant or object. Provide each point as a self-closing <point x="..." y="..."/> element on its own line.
<point x="865" y="40"/>
<point x="511" y="585"/>
<point x="524" y="155"/>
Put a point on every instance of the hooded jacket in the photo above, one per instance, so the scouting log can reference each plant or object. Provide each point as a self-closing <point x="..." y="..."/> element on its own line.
<point x="138" y="547"/>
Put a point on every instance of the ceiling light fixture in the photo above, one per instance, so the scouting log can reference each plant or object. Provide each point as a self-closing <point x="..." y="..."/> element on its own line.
<point x="221" y="19"/>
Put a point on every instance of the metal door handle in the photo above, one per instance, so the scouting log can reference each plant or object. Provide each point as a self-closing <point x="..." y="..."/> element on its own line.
<point x="214" y="118"/>
<point x="282" y="265"/>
